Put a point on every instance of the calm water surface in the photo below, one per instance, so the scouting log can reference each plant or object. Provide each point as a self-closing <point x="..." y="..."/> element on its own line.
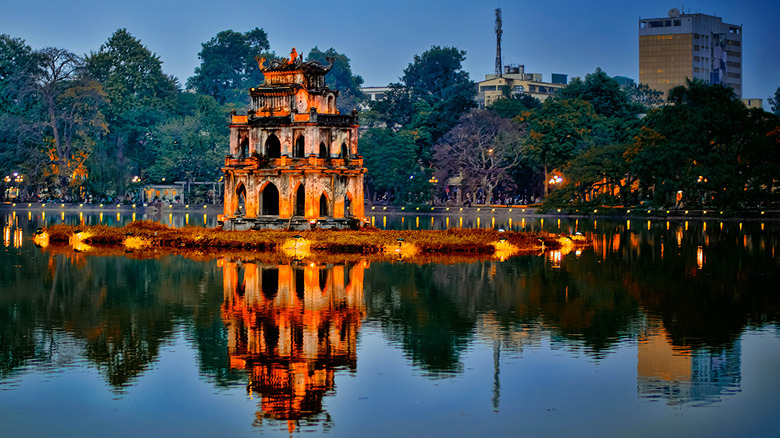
<point x="661" y="329"/>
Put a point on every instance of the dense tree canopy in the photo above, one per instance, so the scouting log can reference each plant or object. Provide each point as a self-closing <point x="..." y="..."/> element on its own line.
<point x="482" y="149"/>
<point x="140" y="96"/>
<point x="228" y="67"/>
<point x="340" y="78"/>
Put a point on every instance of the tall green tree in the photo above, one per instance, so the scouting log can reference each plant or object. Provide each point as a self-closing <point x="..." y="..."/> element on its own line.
<point x="340" y="78"/>
<point x="17" y="139"/>
<point x="715" y="151"/>
<point x="390" y="160"/>
<point x="433" y="93"/>
<point x="557" y="132"/>
<point x="191" y="148"/>
<point x="227" y="65"/>
<point x="774" y="102"/>
<point x="603" y="92"/>
<point x="140" y="96"/>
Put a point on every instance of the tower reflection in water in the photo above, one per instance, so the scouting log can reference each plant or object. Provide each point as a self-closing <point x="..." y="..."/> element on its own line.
<point x="291" y="327"/>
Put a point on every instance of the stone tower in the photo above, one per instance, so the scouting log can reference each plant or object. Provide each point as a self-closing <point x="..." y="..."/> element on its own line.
<point x="293" y="160"/>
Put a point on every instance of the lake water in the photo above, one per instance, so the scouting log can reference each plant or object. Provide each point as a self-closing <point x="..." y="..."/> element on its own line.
<point x="662" y="328"/>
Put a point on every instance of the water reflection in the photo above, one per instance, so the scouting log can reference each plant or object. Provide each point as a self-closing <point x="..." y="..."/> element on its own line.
<point x="291" y="327"/>
<point x="680" y="375"/>
<point x="678" y="300"/>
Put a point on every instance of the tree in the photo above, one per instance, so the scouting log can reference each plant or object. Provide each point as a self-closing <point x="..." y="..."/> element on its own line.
<point x="600" y="168"/>
<point x="73" y="117"/>
<point x="708" y="147"/>
<point x="437" y="79"/>
<point x="228" y="68"/>
<point x="340" y="78"/>
<point x="482" y="149"/>
<point x="774" y="103"/>
<point x="390" y="160"/>
<point x="140" y="96"/>
<point x="511" y="107"/>
<point x="603" y="92"/>
<point x="17" y="138"/>
<point x="559" y="131"/>
<point x="643" y="97"/>
<point x="191" y="148"/>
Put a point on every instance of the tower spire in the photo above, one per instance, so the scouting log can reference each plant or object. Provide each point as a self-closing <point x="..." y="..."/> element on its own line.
<point x="499" y="32"/>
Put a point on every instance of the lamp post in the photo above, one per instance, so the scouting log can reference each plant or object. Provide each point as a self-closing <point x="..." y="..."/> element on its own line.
<point x="433" y="182"/>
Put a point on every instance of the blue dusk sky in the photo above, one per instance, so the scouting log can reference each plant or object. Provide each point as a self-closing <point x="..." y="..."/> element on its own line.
<point x="382" y="37"/>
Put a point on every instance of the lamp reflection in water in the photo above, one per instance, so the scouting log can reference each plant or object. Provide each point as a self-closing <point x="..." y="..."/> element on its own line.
<point x="291" y="328"/>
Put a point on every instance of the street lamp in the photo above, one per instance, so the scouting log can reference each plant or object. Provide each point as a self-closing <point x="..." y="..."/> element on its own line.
<point x="433" y="182"/>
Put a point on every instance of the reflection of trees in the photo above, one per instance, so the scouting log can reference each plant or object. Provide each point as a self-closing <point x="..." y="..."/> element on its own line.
<point x="291" y="327"/>
<point x="433" y="310"/>
<point x="706" y="286"/>
<point x="426" y="309"/>
<point x="119" y="309"/>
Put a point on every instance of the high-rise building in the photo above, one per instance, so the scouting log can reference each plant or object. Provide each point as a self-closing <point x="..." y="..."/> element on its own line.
<point x="692" y="46"/>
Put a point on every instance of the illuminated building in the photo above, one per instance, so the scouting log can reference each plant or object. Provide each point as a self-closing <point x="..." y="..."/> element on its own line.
<point x="689" y="46"/>
<point x="291" y="327"/>
<point x="515" y="82"/>
<point x="293" y="157"/>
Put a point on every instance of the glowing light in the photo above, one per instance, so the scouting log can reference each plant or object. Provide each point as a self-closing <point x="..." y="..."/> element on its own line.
<point x="699" y="257"/>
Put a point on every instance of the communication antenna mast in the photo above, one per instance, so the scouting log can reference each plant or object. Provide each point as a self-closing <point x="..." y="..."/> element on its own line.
<point x="498" y="42"/>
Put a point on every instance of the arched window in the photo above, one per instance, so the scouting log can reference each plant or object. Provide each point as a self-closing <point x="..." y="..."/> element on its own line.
<point x="331" y="104"/>
<point x="299" y="147"/>
<point x="273" y="148"/>
<point x="323" y="205"/>
<point x="243" y="149"/>
<point x="344" y="151"/>
<point x="270" y="200"/>
<point x="240" y="201"/>
<point x="323" y="151"/>
<point x="300" y="201"/>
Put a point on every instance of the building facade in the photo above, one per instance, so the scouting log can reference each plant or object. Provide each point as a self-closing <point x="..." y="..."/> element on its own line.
<point x="689" y="46"/>
<point x="514" y="82"/>
<point x="293" y="159"/>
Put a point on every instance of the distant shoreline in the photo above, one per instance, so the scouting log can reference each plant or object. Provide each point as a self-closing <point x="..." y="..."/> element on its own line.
<point x="474" y="210"/>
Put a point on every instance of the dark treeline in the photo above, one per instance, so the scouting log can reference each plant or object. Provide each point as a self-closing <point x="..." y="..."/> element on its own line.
<point x="97" y="127"/>
<point x="100" y="126"/>
<point x="594" y="143"/>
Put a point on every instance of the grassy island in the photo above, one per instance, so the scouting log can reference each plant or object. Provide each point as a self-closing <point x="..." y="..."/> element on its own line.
<point x="146" y="236"/>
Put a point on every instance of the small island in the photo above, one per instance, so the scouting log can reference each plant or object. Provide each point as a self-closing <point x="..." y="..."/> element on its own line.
<point x="457" y="244"/>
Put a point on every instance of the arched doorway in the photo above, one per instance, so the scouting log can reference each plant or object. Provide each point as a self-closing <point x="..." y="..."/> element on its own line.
<point x="300" y="201"/>
<point x="323" y="205"/>
<point x="273" y="148"/>
<point x="240" y="201"/>
<point x="298" y="150"/>
<point x="347" y="205"/>
<point x="269" y="200"/>
<point x="323" y="151"/>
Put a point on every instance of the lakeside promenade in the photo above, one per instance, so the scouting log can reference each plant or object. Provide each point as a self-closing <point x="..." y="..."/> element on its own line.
<point x="472" y="211"/>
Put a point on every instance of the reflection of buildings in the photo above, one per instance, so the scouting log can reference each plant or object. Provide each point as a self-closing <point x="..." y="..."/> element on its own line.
<point x="684" y="375"/>
<point x="291" y="327"/>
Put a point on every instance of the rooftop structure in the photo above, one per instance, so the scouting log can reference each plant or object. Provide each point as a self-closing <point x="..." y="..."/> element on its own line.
<point x="515" y="81"/>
